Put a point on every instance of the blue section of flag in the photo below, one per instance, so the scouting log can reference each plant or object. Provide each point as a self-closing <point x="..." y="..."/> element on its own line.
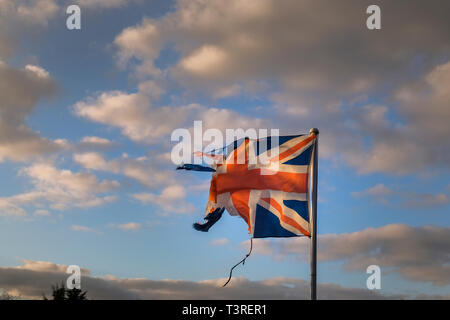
<point x="302" y="159"/>
<point x="195" y="167"/>
<point x="301" y="207"/>
<point x="268" y="225"/>
<point x="265" y="144"/>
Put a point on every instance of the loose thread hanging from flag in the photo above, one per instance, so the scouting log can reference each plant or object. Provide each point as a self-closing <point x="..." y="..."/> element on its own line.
<point x="242" y="261"/>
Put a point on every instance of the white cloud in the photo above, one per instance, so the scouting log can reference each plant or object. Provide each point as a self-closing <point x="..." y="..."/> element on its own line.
<point x="59" y="189"/>
<point x="39" y="71"/>
<point x="139" y="120"/>
<point x="42" y="212"/>
<point x="9" y="208"/>
<point x="377" y="190"/>
<point x="220" y="242"/>
<point x="93" y="160"/>
<point x="145" y="172"/>
<point x="142" y="169"/>
<point x="170" y="200"/>
<point x="65" y="189"/>
<point x="133" y="42"/>
<point x="44" y="266"/>
<point x="79" y="228"/>
<point x="130" y="226"/>
<point x="133" y="115"/>
<point x="205" y="61"/>
<point x="96" y="141"/>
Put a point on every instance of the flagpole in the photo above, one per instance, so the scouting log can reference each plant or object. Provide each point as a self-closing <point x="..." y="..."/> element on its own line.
<point x="313" y="222"/>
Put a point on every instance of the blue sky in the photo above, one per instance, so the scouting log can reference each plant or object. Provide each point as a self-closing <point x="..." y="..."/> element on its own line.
<point x="380" y="103"/>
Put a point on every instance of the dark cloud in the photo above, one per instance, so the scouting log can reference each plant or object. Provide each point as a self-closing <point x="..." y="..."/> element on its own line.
<point x="310" y="45"/>
<point x="29" y="283"/>
<point x="406" y="199"/>
<point x="416" y="253"/>
<point x="20" y="90"/>
<point x="19" y="17"/>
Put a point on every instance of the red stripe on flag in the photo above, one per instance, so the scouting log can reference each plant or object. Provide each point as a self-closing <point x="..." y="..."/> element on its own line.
<point x="241" y="178"/>
<point x="240" y="202"/>
<point x="295" y="148"/>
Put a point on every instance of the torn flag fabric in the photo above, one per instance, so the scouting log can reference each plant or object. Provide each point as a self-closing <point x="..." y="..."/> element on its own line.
<point x="263" y="182"/>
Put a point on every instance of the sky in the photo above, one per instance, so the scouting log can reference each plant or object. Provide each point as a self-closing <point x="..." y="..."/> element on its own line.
<point x="86" y="118"/>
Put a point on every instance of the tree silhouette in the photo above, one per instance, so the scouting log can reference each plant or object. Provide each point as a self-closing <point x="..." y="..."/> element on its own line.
<point x="6" y="296"/>
<point x="62" y="293"/>
<point x="76" y="294"/>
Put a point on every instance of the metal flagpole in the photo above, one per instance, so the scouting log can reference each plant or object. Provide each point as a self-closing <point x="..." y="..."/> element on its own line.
<point x="313" y="222"/>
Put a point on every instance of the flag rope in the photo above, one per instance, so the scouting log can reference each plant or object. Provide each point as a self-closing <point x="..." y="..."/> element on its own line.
<point x="242" y="261"/>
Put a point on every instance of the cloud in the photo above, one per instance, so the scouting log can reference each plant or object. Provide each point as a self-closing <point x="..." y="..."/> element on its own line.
<point x="79" y="228"/>
<point x="408" y="199"/>
<point x="32" y="12"/>
<point x="170" y="200"/>
<point x="205" y="61"/>
<point x="35" y="278"/>
<point x="377" y="190"/>
<point x="101" y="4"/>
<point x="132" y="114"/>
<point x="142" y="169"/>
<point x="9" y="208"/>
<point x="416" y="253"/>
<point x="139" y="120"/>
<point x="146" y="172"/>
<point x="44" y="266"/>
<point x="93" y="160"/>
<point x="416" y="142"/>
<point x="96" y="140"/>
<point x="59" y="189"/>
<point x="403" y="137"/>
<point x="220" y="242"/>
<point x="21" y="89"/>
<point x="91" y="143"/>
<point x="130" y="226"/>
<point x="18" y="17"/>
<point x="42" y="212"/>
<point x="425" y="200"/>
<point x="320" y="71"/>
<point x="225" y="43"/>
<point x="133" y="42"/>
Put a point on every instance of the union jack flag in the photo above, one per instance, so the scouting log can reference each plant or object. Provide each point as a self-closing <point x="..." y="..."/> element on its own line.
<point x="265" y="182"/>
